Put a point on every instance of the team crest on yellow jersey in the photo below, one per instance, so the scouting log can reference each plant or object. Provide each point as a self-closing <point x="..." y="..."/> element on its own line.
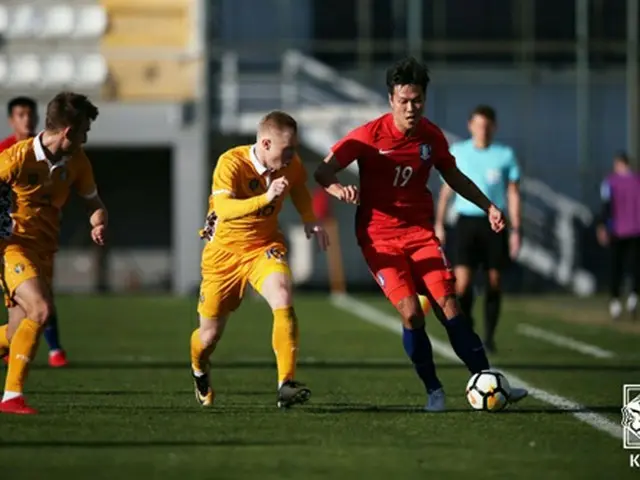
<point x="19" y="268"/>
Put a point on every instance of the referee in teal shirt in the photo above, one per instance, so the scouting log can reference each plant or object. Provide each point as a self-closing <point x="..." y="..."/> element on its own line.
<point x="494" y="168"/>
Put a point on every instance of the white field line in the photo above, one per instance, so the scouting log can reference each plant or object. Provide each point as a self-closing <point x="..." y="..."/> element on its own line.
<point x="563" y="341"/>
<point x="377" y="317"/>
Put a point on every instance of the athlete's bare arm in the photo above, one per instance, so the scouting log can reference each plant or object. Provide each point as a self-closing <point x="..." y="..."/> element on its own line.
<point x="326" y="176"/>
<point x="98" y="218"/>
<point x="446" y="192"/>
<point x="463" y="185"/>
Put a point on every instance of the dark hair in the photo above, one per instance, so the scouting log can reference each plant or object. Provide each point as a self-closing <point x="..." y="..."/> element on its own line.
<point x="67" y="109"/>
<point x="622" y="156"/>
<point x="485" y="111"/>
<point x="407" y="71"/>
<point x="279" y="120"/>
<point x="27" y="102"/>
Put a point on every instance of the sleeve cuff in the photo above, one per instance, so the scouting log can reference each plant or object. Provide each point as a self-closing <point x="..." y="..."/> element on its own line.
<point x="91" y="195"/>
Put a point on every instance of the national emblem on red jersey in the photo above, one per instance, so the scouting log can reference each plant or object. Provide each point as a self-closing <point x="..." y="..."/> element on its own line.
<point x="425" y="151"/>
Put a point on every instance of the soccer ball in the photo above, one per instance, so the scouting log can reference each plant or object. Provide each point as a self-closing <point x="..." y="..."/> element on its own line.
<point x="488" y="390"/>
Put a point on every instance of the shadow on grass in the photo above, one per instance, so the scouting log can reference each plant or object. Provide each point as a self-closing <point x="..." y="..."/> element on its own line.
<point x="336" y="365"/>
<point x="132" y="393"/>
<point x="354" y="408"/>
<point x="143" y="443"/>
<point x="262" y="408"/>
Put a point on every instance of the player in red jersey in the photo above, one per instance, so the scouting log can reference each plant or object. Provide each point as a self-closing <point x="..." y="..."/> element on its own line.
<point x="22" y="113"/>
<point x="394" y="220"/>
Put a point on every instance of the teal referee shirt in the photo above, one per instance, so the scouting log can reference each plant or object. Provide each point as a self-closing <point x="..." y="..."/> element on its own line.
<point x="491" y="169"/>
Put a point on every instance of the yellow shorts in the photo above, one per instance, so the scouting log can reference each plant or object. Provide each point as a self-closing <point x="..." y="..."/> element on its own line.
<point x="20" y="264"/>
<point x="225" y="276"/>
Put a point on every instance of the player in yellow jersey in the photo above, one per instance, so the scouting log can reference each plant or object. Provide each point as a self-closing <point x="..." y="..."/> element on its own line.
<point x="244" y="245"/>
<point x="36" y="176"/>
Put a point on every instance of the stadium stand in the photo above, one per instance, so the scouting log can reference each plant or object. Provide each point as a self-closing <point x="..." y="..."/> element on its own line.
<point x="48" y="46"/>
<point x="120" y="50"/>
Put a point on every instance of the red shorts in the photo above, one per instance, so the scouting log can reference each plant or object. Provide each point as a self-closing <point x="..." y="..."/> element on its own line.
<point x="410" y="264"/>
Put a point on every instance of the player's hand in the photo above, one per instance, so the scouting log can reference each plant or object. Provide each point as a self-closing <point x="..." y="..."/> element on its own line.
<point x="277" y="188"/>
<point x="98" y="235"/>
<point x="515" y="242"/>
<point x="349" y="194"/>
<point x="441" y="233"/>
<point x="496" y="219"/>
<point x="315" y="229"/>
<point x="602" y="235"/>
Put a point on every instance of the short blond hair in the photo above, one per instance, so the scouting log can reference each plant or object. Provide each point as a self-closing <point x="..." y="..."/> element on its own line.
<point x="279" y="121"/>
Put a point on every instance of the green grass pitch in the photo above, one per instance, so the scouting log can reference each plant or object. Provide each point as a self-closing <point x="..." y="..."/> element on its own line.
<point x="125" y="408"/>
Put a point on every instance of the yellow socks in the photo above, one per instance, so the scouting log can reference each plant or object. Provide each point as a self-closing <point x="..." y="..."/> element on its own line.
<point x="23" y="348"/>
<point x="199" y="354"/>
<point x="4" y="342"/>
<point x="285" y="342"/>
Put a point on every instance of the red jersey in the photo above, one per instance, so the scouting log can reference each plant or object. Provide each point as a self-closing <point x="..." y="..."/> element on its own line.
<point x="10" y="141"/>
<point x="321" y="204"/>
<point x="394" y="171"/>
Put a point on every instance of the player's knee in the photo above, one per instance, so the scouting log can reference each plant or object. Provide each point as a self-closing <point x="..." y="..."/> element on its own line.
<point x="463" y="277"/>
<point x="494" y="281"/>
<point x="415" y="321"/>
<point x="276" y="290"/>
<point x="463" y="289"/>
<point x="449" y="307"/>
<point x="411" y="312"/>
<point x="209" y="336"/>
<point x="463" y="286"/>
<point x="39" y="311"/>
<point x="280" y="298"/>
<point x="211" y="331"/>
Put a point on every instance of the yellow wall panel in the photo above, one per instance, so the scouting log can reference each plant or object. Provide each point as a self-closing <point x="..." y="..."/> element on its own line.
<point x="143" y="45"/>
<point x="132" y="79"/>
<point x="167" y="27"/>
<point x="146" y="4"/>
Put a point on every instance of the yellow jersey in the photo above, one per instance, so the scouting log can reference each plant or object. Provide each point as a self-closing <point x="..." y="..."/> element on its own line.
<point x="239" y="176"/>
<point x="33" y="192"/>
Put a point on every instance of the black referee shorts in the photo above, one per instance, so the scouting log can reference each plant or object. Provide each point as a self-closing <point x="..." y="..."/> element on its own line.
<point x="477" y="245"/>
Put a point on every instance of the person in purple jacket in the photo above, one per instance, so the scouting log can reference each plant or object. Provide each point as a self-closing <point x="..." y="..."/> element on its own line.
<point x="619" y="228"/>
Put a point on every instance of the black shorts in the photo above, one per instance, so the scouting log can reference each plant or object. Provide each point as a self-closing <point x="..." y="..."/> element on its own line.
<point x="477" y="245"/>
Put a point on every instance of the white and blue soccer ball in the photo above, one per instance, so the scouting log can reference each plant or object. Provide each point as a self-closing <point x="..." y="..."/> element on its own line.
<point x="488" y="390"/>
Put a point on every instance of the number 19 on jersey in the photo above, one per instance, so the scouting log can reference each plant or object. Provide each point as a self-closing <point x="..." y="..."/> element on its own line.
<point x="402" y="176"/>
